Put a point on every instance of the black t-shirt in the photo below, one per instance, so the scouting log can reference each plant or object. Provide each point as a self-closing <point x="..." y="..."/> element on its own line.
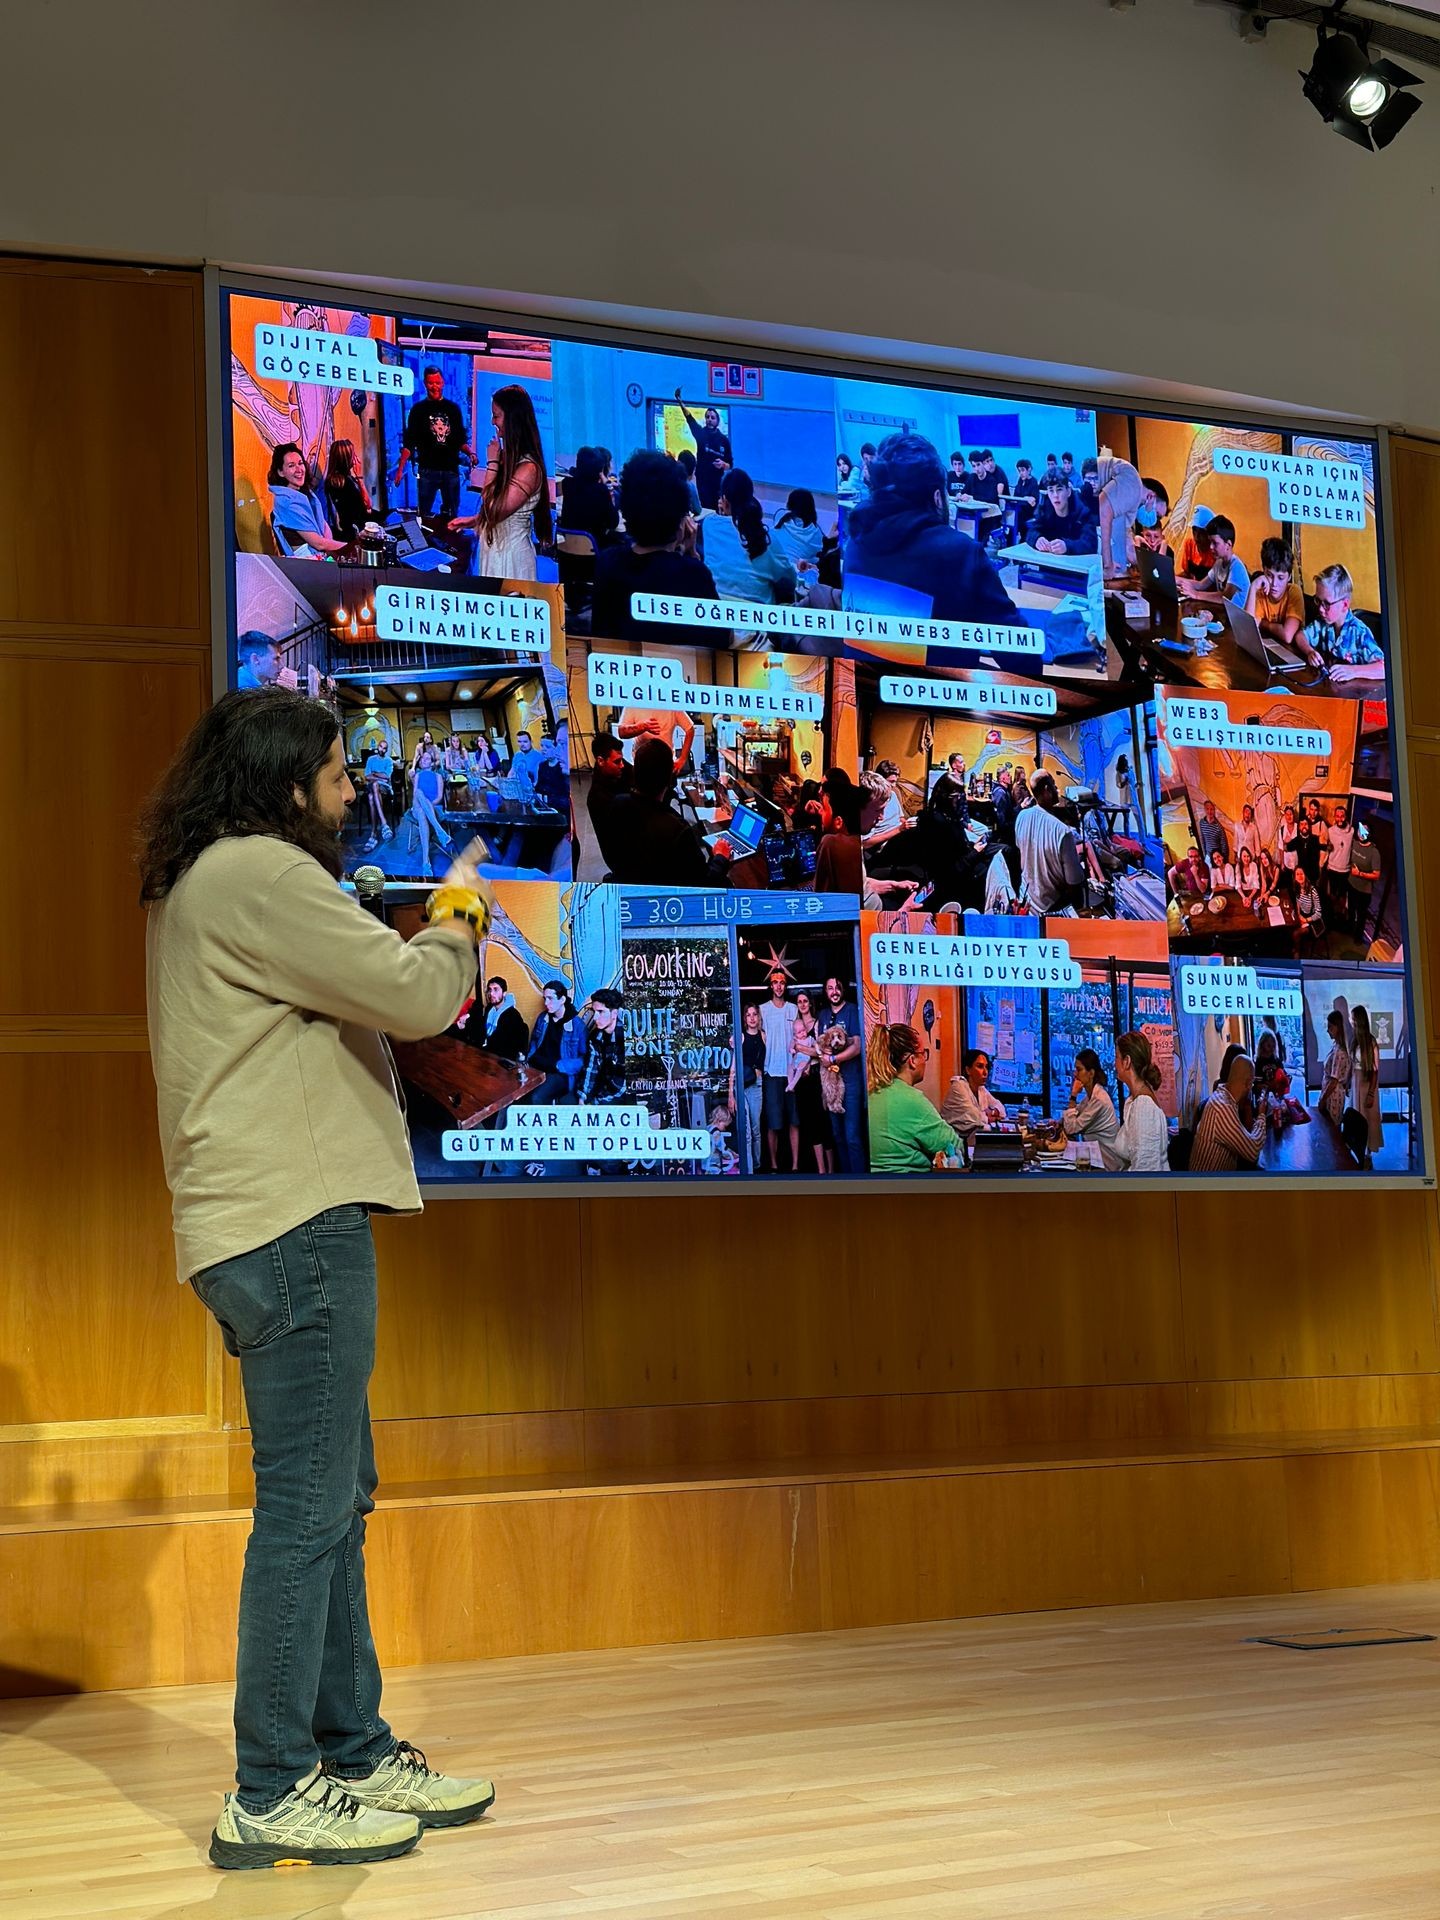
<point x="346" y="507"/>
<point x="620" y="571"/>
<point x="711" y="444"/>
<point x="434" y="434"/>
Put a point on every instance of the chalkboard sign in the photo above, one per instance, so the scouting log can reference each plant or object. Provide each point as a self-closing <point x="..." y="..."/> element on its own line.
<point x="678" y="1035"/>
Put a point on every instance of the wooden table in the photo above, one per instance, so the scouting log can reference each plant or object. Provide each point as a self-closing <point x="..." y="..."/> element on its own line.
<point x="468" y="1083"/>
<point x="1210" y="931"/>
<point x="1317" y="1148"/>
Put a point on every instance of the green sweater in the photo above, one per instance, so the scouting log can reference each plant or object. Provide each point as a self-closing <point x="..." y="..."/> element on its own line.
<point x="906" y="1132"/>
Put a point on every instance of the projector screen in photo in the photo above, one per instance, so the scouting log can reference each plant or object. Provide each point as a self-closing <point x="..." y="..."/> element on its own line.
<point x="880" y="781"/>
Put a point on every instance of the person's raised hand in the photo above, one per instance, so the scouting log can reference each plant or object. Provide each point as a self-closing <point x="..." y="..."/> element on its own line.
<point x="464" y="871"/>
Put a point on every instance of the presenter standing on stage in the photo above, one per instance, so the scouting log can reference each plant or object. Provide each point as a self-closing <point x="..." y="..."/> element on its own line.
<point x="269" y="993"/>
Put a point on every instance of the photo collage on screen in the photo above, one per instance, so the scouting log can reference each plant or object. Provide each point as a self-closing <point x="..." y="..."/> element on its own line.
<point x="873" y="779"/>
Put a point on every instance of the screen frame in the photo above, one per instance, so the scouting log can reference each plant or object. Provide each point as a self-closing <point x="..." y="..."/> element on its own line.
<point x="220" y="281"/>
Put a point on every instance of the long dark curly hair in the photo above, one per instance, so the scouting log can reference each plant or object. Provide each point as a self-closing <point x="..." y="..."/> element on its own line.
<point x="236" y="774"/>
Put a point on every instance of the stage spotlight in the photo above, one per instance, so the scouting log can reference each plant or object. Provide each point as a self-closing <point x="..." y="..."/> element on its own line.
<point x="1363" y="99"/>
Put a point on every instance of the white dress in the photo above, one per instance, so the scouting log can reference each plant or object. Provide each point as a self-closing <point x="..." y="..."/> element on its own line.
<point x="1357" y="1097"/>
<point x="1143" y="1142"/>
<point x="509" y="553"/>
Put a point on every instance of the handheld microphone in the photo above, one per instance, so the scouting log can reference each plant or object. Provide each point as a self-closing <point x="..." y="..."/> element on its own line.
<point x="370" y="889"/>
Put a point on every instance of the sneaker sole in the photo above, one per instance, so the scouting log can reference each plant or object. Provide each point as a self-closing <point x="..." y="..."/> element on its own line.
<point x="233" y="1855"/>
<point x="455" y="1816"/>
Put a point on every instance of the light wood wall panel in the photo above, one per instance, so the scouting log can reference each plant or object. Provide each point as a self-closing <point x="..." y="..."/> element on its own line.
<point x="479" y="1309"/>
<point x="700" y="1299"/>
<point x="86" y="738"/>
<point x="1415" y="515"/>
<point x="1285" y="1283"/>
<point x="102" y="478"/>
<point x="93" y="1325"/>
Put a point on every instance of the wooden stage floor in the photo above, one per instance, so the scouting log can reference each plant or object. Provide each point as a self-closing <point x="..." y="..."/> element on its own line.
<point x="1137" y="1763"/>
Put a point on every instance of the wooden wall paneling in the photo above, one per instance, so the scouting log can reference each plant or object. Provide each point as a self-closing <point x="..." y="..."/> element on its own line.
<point x="504" y="1577"/>
<point x="1415" y="508"/>
<point x="1425" y="831"/>
<point x="93" y="1325"/>
<point x="1286" y="1283"/>
<point x="1363" y="1519"/>
<point x="859" y="1295"/>
<point x="88" y="736"/>
<point x="936" y="1548"/>
<point x="102" y="468"/>
<point x="479" y="1309"/>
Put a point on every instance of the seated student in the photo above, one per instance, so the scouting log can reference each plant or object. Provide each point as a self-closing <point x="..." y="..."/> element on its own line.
<point x="655" y="504"/>
<point x="257" y="661"/>
<point x="1190" y="875"/>
<point x="1337" y="639"/>
<point x="1227" y="576"/>
<point x="1088" y="490"/>
<point x="907" y="1135"/>
<point x="347" y="498"/>
<point x="957" y="480"/>
<point x="500" y="1026"/>
<point x="798" y="533"/>
<point x="296" y="514"/>
<point x="1275" y="602"/>
<point x="586" y="503"/>
<point x="1091" y="1113"/>
<point x="1025" y="485"/>
<point x="685" y="460"/>
<point x="752" y="567"/>
<point x="986" y="481"/>
<point x="379" y="774"/>
<point x="1247" y="876"/>
<point x="970" y="1106"/>
<point x="882" y="810"/>
<point x="649" y="844"/>
<point x="552" y="776"/>
<point x="1052" y="467"/>
<point x="609" y="778"/>
<point x="1142" y="1144"/>
<point x="1060" y="523"/>
<point x="846" y="489"/>
<point x="1222" y="873"/>
<point x="557" y="1046"/>
<point x="1230" y="1133"/>
<point x="1050" y="865"/>
<point x="1195" y="557"/>
<point x="838" y="865"/>
<point x="1309" y="910"/>
<point x="900" y="534"/>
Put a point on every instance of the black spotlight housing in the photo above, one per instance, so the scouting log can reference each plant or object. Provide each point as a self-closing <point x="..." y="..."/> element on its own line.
<point x="1363" y="99"/>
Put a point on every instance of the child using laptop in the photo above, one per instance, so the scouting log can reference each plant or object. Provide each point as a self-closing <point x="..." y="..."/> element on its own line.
<point x="1228" y="576"/>
<point x="1274" y="602"/>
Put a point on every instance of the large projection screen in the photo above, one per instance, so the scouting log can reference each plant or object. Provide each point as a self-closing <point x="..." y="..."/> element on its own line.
<point x="883" y="779"/>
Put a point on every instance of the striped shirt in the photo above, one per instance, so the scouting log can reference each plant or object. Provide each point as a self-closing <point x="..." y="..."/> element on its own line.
<point x="1222" y="1140"/>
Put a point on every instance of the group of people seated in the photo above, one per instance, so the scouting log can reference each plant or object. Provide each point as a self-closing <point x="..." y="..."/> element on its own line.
<point x="653" y="535"/>
<point x="1035" y="854"/>
<point x="1329" y="636"/>
<point x="636" y="811"/>
<point x="908" y="1134"/>
<point x="1321" y="865"/>
<point x="581" y="1062"/>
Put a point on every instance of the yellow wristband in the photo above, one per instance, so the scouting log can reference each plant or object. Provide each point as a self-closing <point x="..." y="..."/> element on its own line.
<point x="459" y="903"/>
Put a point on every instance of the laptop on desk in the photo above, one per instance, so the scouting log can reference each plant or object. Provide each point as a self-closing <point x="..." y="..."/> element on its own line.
<point x="413" y="549"/>
<point x="744" y="831"/>
<point x="1275" y="656"/>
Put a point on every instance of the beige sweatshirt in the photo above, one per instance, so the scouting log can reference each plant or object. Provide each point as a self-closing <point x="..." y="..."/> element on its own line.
<point x="268" y="990"/>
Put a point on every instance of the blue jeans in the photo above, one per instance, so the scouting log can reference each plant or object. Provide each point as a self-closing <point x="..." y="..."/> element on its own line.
<point x="845" y="1125"/>
<point x="300" y="1314"/>
<point x="442" y="480"/>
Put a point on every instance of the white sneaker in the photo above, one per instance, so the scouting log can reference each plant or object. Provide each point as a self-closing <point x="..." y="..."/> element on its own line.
<point x="403" y="1783"/>
<point x="317" y="1824"/>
